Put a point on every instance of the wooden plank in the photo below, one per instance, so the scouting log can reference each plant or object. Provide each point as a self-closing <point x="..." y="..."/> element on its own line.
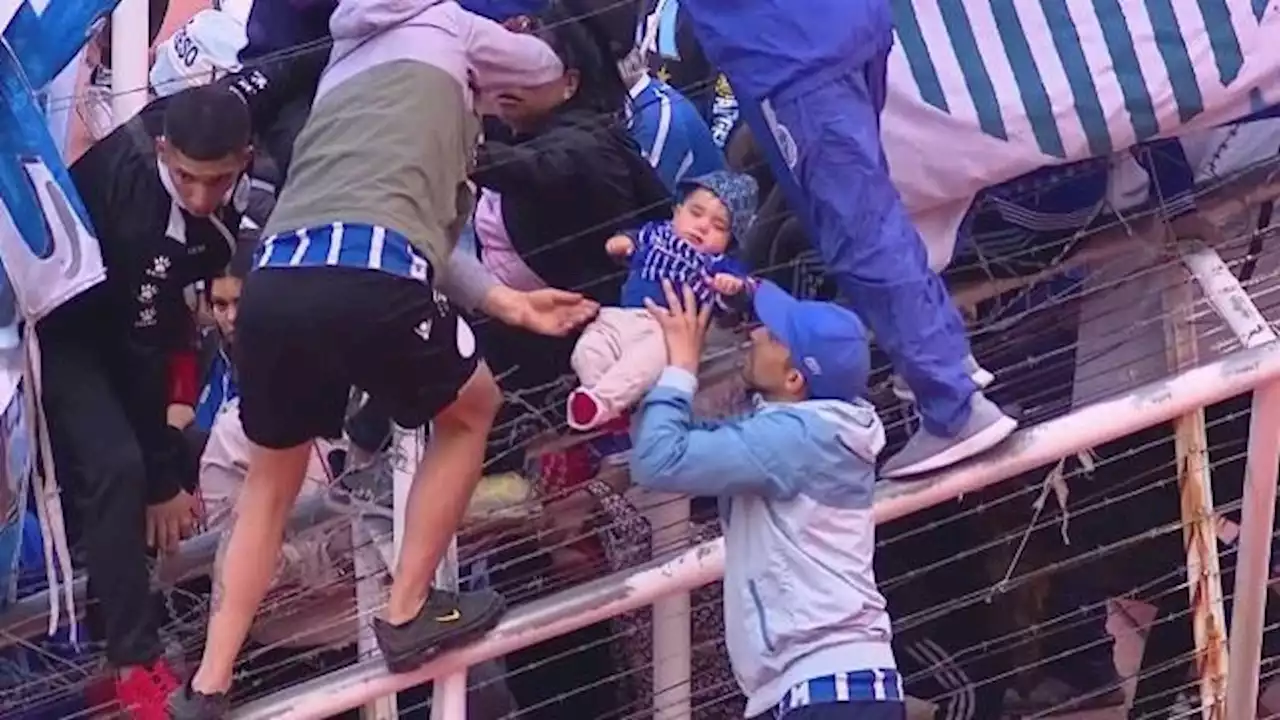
<point x="1199" y="529"/>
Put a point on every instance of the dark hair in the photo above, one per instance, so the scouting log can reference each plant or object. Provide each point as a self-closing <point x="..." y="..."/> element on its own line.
<point x="207" y="123"/>
<point x="613" y="23"/>
<point x="242" y="258"/>
<point x="575" y="32"/>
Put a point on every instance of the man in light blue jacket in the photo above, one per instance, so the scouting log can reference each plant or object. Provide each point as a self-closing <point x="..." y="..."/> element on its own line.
<point x="807" y="630"/>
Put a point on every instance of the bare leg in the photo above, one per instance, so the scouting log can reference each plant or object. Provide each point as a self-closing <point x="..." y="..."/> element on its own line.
<point x="247" y="560"/>
<point x="442" y="488"/>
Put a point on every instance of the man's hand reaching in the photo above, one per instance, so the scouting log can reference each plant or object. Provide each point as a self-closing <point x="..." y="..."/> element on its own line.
<point x="683" y="324"/>
<point x="171" y="521"/>
<point x="546" y="312"/>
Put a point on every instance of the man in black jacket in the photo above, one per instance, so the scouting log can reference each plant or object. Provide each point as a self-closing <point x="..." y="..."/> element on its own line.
<point x="164" y="193"/>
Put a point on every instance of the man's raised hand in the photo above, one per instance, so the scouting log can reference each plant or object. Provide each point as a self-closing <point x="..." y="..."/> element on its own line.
<point x="684" y="325"/>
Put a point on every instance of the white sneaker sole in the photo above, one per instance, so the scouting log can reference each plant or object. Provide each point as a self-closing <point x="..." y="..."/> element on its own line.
<point x="981" y="377"/>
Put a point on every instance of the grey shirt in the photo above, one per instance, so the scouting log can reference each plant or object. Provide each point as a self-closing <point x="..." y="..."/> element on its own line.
<point x="389" y="147"/>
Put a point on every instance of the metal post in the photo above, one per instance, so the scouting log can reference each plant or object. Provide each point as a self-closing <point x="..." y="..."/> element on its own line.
<point x="406" y="451"/>
<point x="1204" y="576"/>
<point x="370" y="596"/>
<point x="130" y="58"/>
<point x="1223" y="291"/>
<point x="578" y="607"/>
<point x="449" y="694"/>
<point x="668" y="517"/>
<point x="1254" y="561"/>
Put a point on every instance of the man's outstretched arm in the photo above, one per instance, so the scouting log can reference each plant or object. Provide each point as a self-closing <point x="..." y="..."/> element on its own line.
<point x="674" y="453"/>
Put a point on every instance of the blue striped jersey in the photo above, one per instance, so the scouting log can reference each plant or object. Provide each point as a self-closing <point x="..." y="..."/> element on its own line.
<point x="345" y="245"/>
<point x="661" y="254"/>
<point x="219" y="389"/>
<point x="875" y="685"/>
<point x="1057" y="71"/>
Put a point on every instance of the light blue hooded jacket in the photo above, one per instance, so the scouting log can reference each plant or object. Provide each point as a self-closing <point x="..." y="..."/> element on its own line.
<point x="795" y="483"/>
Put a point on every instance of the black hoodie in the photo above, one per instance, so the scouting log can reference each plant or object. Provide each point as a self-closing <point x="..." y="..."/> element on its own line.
<point x="566" y="189"/>
<point x="577" y="178"/>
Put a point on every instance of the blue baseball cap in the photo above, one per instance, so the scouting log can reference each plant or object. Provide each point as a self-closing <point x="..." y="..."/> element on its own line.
<point x="828" y="343"/>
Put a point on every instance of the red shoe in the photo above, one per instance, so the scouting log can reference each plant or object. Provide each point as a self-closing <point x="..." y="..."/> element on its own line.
<point x="143" y="691"/>
<point x="585" y="410"/>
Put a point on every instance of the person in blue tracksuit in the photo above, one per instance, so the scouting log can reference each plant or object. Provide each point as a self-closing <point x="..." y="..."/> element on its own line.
<point x="811" y="88"/>
<point x="807" y="629"/>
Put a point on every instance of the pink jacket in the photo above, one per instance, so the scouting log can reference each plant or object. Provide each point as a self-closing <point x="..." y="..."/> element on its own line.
<point x="481" y="54"/>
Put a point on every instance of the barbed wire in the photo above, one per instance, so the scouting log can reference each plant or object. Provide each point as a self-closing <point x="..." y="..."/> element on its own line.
<point x="538" y="416"/>
<point x="303" y="49"/>
<point x="891" y="579"/>
<point x="985" y="648"/>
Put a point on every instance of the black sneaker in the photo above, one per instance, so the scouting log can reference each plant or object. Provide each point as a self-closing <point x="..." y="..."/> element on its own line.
<point x="187" y="704"/>
<point x="447" y="620"/>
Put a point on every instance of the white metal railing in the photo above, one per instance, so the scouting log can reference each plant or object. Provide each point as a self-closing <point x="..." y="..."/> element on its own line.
<point x="130" y="58"/>
<point x="1083" y="428"/>
<point x="665" y="583"/>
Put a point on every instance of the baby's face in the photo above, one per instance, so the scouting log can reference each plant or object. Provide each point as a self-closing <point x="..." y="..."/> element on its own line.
<point x="703" y="221"/>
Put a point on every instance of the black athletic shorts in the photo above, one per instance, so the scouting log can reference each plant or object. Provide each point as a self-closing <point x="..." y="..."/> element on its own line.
<point x="306" y="335"/>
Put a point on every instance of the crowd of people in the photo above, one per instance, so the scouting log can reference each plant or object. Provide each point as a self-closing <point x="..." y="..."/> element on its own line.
<point x="353" y="279"/>
<point x="361" y="213"/>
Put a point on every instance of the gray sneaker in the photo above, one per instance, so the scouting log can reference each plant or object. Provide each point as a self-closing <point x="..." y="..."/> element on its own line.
<point x="981" y="377"/>
<point x="924" y="452"/>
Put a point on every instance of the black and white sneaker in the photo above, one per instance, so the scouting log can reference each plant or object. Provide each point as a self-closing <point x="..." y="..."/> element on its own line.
<point x="445" y="621"/>
<point x="187" y="704"/>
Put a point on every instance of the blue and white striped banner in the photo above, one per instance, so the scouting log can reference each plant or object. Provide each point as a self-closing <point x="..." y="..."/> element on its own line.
<point x="981" y="91"/>
<point x="1014" y="59"/>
